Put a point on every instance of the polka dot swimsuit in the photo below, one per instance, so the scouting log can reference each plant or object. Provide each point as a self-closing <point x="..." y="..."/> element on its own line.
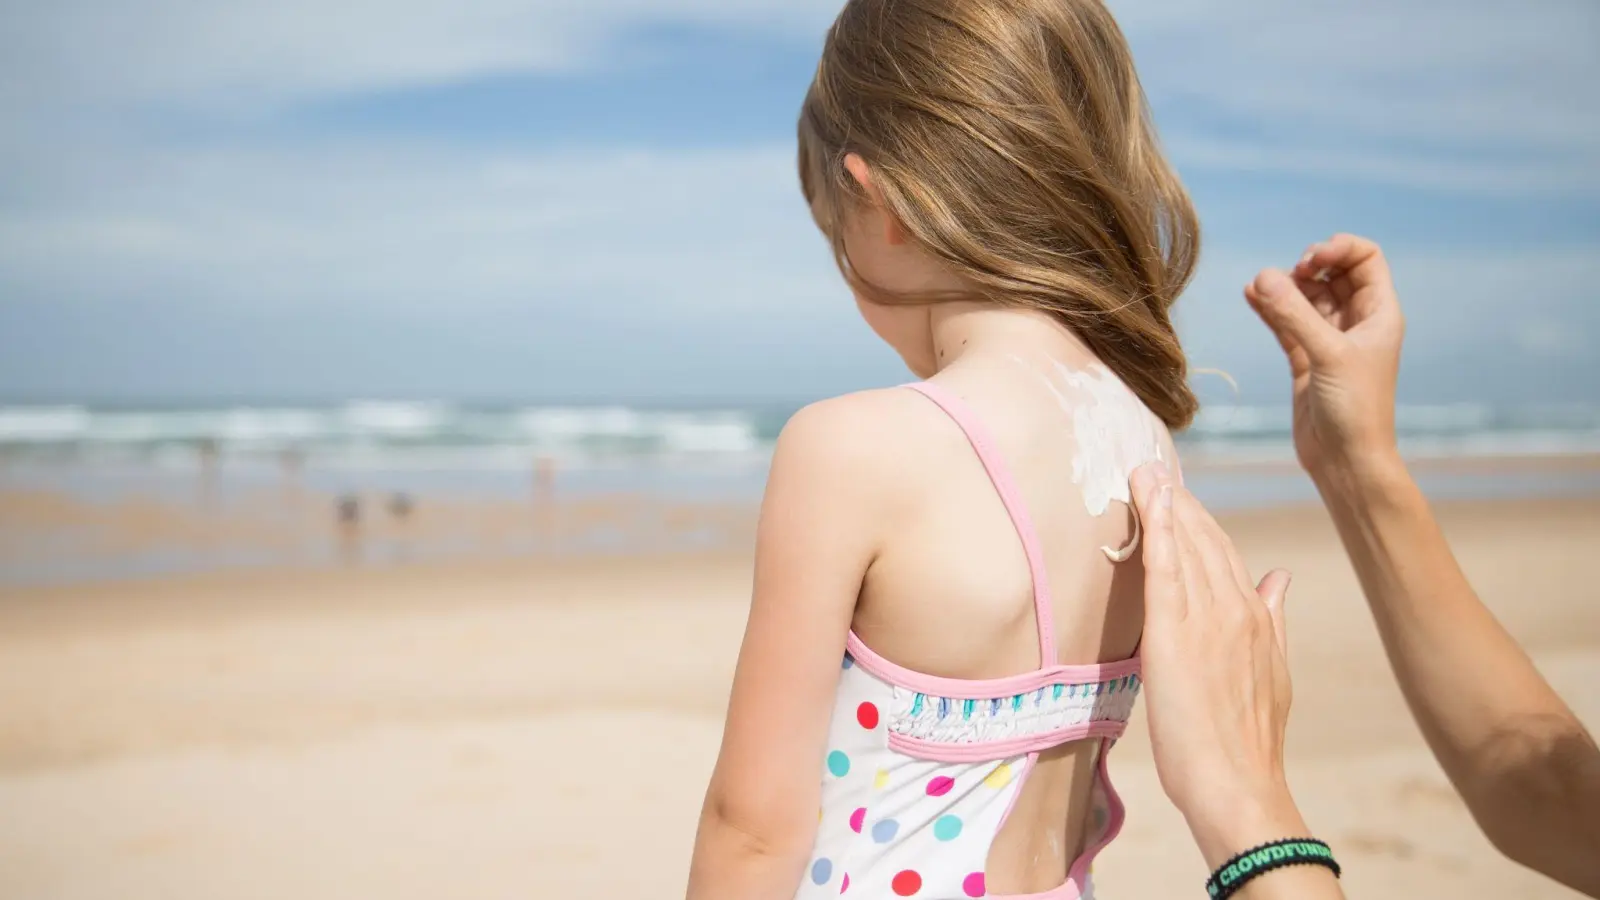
<point x="922" y="771"/>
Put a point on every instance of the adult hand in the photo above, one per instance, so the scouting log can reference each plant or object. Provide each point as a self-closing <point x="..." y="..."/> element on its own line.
<point x="1216" y="675"/>
<point x="1339" y="321"/>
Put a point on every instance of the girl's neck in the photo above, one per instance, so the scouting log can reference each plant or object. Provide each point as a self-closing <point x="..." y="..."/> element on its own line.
<point x="979" y="331"/>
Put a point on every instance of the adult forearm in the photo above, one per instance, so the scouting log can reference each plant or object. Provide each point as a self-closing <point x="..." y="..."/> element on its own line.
<point x="1463" y="675"/>
<point x="1514" y="750"/>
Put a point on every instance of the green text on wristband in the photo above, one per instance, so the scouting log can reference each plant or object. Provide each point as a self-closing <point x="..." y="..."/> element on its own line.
<point x="1266" y="858"/>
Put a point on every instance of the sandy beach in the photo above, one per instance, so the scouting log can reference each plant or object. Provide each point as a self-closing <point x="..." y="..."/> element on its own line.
<point x="544" y="727"/>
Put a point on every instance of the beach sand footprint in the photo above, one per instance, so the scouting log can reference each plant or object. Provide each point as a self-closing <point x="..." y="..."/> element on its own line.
<point x="1366" y="843"/>
<point x="1427" y="792"/>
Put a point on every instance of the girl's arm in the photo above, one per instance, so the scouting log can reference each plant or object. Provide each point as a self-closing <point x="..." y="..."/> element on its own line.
<point x="814" y="542"/>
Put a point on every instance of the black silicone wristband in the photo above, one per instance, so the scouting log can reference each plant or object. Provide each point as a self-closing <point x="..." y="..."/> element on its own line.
<point x="1233" y="875"/>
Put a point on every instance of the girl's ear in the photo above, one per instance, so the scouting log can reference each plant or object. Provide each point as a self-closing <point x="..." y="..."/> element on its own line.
<point x="857" y="167"/>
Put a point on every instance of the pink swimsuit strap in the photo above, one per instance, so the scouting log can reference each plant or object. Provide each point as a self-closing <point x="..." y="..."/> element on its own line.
<point x="1000" y="474"/>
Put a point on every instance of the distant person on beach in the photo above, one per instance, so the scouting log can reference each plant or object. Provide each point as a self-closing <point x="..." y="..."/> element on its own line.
<point x="291" y="463"/>
<point x="400" y="506"/>
<point x="544" y="491"/>
<point x="544" y="479"/>
<point x="940" y="649"/>
<point x="347" y="514"/>
<point x="208" y="453"/>
<point x="1214" y="653"/>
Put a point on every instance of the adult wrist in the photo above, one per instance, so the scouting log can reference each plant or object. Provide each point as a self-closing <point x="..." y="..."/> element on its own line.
<point x="1246" y="819"/>
<point x="1362" y="476"/>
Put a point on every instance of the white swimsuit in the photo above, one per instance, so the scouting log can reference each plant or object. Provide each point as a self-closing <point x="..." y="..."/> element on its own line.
<point x="922" y="771"/>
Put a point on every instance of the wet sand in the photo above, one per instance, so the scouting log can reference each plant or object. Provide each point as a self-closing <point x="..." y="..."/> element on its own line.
<point x="544" y="727"/>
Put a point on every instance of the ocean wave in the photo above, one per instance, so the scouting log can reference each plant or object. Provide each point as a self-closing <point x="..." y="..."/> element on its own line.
<point x="382" y="431"/>
<point x="399" y="419"/>
<point x="25" y="424"/>
<point x="430" y="433"/>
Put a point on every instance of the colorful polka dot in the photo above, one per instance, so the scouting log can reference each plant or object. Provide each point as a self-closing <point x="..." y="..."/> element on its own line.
<point x="999" y="778"/>
<point x="906" y="883"/>
<point x="846" y="885"/>
<point x="857" y="818"/>
<point x="838" y="764"/>
<point x="948" y="828"/>
<point x="880" y="780"/>
<point x="940" y="785"/>
<point x="884" y="831"/>
<point x="867" y="715"/>
<point x="973" y="885"/>
<point x="821" y="871"/>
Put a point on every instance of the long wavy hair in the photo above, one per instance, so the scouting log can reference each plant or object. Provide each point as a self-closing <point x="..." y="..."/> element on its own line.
<point x="1012" y="140"/>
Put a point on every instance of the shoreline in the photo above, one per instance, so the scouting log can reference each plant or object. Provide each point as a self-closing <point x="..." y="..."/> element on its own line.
<point x="49" y="535"/>
<point x="557" y="564"/>
<point x="1196" y="459"/>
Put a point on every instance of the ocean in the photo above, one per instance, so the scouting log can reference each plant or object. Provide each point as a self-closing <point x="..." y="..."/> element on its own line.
<point x="695" y="449"/>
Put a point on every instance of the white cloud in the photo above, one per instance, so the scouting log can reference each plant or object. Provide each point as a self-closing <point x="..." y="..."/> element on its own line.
<point x="1424" y="68"/>
<point x="1461" y="95"/>
<point x="242" y="57"/>
<point x="1467" y="96"/>
<point x="697" y="230"/>
<point x="1398" y="167"/>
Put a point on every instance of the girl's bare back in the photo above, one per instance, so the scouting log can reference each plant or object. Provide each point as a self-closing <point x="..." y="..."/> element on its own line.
<point x="951" y="595"/>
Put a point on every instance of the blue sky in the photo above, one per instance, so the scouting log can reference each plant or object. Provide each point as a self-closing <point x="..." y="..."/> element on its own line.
<point x="527" y="199"/>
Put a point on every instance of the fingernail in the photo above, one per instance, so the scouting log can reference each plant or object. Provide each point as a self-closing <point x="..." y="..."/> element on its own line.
<point x="1165" y="497"/>
<point x="1322" y="274"/>
<point x="1159" y="469"/>
<point x="1310" y="255"/>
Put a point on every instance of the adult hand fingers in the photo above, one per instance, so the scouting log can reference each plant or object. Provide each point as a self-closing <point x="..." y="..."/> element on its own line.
<point x="1358" y="260"/>
<point x="1214" y="543"/>
<point x="1213" y="535"/>
<point x="1357" y="257"/>
<point x="1274" y="592"/>
<point x="1207" y="543"/>
<point x="1164" y="589"/>
<point x="1279" y="302"/>
<point x="1196" y="583"/>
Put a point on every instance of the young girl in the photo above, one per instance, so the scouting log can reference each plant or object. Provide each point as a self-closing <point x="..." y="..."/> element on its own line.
<point x="990" y="182"/>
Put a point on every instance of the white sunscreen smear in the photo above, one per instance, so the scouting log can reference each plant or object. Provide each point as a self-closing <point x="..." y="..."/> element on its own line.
<point x="1114" y="433"/>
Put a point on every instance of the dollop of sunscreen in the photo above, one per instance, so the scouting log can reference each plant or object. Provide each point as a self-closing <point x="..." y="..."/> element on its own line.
<point x="1114" y="434"/>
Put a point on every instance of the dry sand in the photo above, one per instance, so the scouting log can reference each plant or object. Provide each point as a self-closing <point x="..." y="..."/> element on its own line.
<point x="545" y="729"/>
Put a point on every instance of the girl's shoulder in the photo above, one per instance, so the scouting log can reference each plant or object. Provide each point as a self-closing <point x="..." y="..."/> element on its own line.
<point x="883" y="423"/>
<point x="866" y="442"/>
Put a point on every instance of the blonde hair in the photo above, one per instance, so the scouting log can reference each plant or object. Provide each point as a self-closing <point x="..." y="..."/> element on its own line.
<point x="1011" y="139"/>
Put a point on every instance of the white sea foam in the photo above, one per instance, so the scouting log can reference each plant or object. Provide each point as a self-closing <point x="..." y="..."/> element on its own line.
<point x="429" y="434"/>
<point x="41" y="424"/>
